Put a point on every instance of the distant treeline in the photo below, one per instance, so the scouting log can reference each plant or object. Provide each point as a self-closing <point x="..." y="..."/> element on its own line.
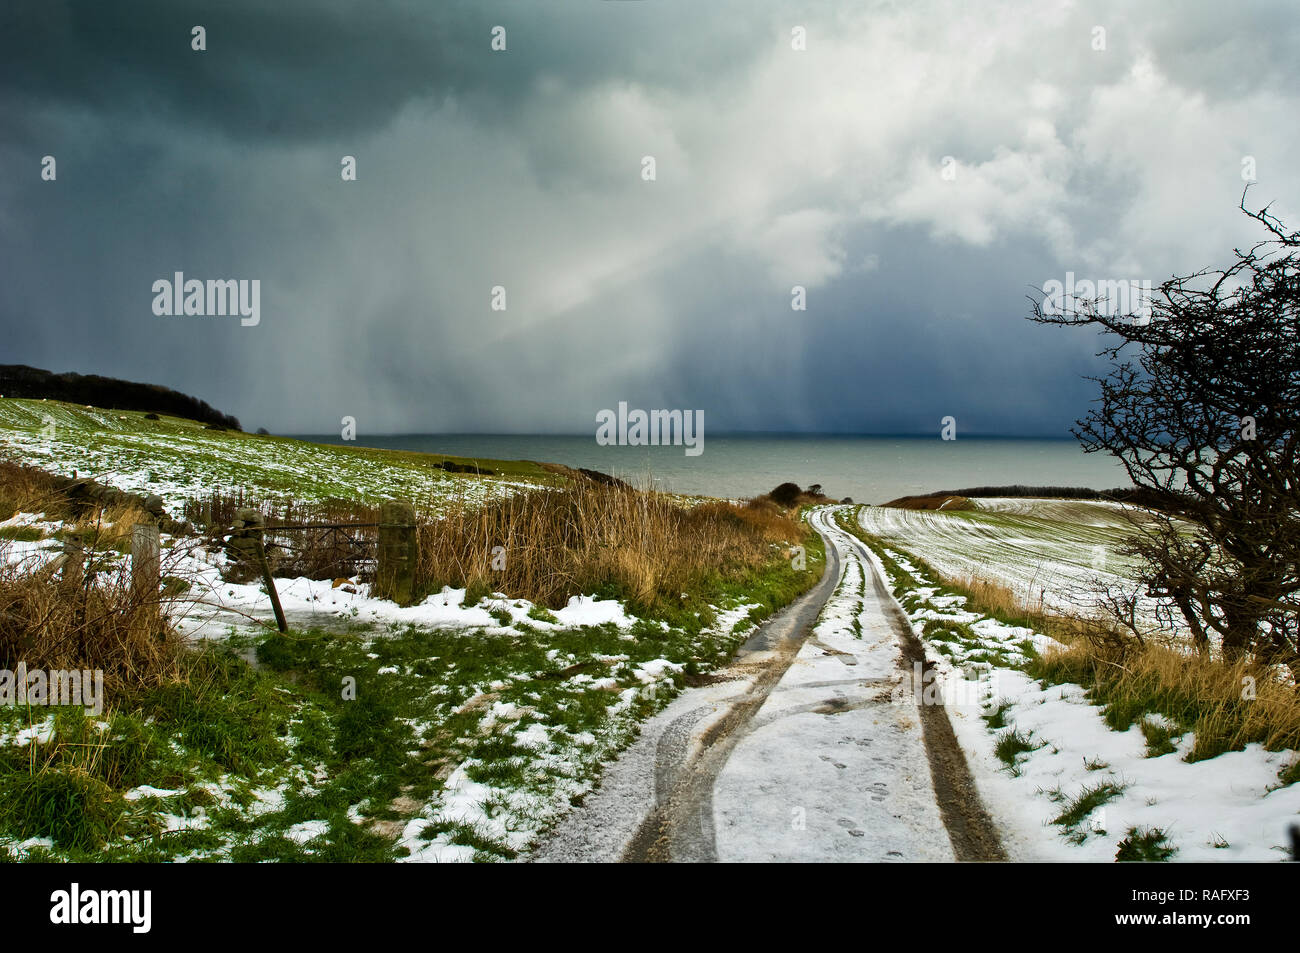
<point x="19" y="380"/>
<point x="1122" y="494"/>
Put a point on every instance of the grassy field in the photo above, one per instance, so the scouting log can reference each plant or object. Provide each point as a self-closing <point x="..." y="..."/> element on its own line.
<point x="181" y="459"/>
<point x="456" y="729"/>
<point x="1046" y="551"/>
<point x="1153" y="754"/>
<point x="371" y="744"/>
<point x="950" y="621"/>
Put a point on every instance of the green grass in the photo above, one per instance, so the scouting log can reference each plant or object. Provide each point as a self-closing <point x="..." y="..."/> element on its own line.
<point x="1011" y="744"/>
<point x="467" y="835"/>
<point x="228" y="728"/>
<point x="997" y="718"/>
<point x="76" y="811"/>
<point x="1146" y="845"/>
<point x="358" y="730"/>
<point x="1159" y="737"/>
<point x="1079" y="808"/>
<point x="226" y="714"/>
<point x="1121" y="710"/>
<point x="174" y="586"/>
<point x="22" y="534"/>
<point x="140" y="453"/>
<point x="1291" y="773"/>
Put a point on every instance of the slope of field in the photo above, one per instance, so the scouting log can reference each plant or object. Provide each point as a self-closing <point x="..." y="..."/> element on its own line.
<point x="33" y="383"/>
<point x="1048" y="551"/>
<point x="1065" y="783"/>
<point x="181" y="459"/>
<point x="479" y="720"/>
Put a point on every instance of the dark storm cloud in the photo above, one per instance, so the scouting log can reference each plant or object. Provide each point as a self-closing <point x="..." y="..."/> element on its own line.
<point x="308" y="69"/>
<point x="776" y="168"/>
<point x="273" y="70"/>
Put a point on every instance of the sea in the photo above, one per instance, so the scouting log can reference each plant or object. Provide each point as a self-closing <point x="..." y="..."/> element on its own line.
<point x="867" y="469"/>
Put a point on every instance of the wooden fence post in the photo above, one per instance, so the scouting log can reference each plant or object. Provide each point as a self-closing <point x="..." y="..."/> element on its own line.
<point x="397" y="554"/>
<point x="246" y="542"/>
<point x="146" y="567"/>
<point x="280" y="622"/>
<point x="74" y="561"/>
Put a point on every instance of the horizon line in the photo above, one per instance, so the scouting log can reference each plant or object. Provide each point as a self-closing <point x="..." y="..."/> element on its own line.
<point x="720" y="433"/>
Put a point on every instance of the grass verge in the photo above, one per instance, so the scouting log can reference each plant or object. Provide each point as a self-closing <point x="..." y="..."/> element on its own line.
<point x="1225" y="706"/>
<point x="363" y="744"/>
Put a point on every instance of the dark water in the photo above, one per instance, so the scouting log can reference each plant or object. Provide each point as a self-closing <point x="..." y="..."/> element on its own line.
<point x="868" y="469"/>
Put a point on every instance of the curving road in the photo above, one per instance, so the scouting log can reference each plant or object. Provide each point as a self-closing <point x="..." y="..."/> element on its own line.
<point x="809" y="746"/>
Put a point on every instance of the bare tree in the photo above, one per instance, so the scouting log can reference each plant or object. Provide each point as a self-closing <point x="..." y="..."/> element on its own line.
<point x="1202" y="407"/>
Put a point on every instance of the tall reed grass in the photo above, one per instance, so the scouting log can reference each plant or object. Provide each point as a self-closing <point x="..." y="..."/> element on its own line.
<point x="98" y="622"/>
<point x="1225" y="705"/>
<point x="643" y="546"/>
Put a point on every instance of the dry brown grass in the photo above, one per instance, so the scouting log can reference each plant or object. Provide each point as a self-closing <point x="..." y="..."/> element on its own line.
<point x="1227" y="705"/>
<point x="49" y="622"/>
<point x="584" y="538"/>
<point x="29" y="490"/>
<point x="1000" y="600"/>
<point x="51" y="618"/>
<point x="591" y="538"/>
<point x="110" y="526"/>
<point x="989" y="596"/>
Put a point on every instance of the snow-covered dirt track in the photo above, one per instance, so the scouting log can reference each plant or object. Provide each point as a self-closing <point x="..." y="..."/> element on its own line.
<point x="810" y="746"/>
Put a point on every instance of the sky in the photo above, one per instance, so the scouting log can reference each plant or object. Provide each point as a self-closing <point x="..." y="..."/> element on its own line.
<point x="917" y="168"/>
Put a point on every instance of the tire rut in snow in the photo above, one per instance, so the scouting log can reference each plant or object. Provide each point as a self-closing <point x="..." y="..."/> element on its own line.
<point x="680" y="826"/>
<point x="972" y="832"/>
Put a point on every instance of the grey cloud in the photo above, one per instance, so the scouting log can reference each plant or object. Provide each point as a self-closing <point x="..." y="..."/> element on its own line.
<point x="522" y="170"/>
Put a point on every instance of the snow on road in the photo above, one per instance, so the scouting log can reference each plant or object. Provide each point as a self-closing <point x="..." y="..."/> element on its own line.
<point x="808" y="747"/>
<point x="834" y="766"/>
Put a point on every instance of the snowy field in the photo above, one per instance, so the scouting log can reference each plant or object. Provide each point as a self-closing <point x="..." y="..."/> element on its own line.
<point x="181" y="460"/>
<point x="1050" y="552"/>
<point x="1059" y="782"/>
<point x="528" y="702"/>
